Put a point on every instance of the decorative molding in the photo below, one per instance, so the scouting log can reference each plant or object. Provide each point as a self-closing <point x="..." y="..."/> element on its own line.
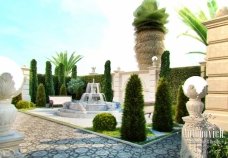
<point x="217" y="22"/>
<point x="218" y="41"/>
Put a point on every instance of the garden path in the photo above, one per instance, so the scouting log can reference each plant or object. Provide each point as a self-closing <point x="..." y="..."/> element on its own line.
<point x="46" y="139"/>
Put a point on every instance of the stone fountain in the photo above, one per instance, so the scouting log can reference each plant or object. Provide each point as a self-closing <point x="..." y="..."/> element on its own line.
<point x="91" y="103"/>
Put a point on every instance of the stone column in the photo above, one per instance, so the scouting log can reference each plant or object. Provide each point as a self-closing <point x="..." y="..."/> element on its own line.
<point x="25" y="88"/>
<point x="217" y="70"/>
<point x="116" y="83"/>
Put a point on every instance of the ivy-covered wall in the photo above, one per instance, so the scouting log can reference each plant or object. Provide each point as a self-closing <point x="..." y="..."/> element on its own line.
<point x="178" y="77"/>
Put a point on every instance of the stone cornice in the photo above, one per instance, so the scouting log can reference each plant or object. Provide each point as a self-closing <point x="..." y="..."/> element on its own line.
<point x="218" y="41"/>
<point x="217" y="22"/>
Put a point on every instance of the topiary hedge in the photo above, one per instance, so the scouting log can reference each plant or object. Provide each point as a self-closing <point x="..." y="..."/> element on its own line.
<point x="133" y="127"/>
<point x="16" y="99"/>
<point x="22" y="104"/>
<point x="104" y="122"/>
<point x="162" y="115"/>
<point x="178" y="76"/>
<point x="41" y="96"/>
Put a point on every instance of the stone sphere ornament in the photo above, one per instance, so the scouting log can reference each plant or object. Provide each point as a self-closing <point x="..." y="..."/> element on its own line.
<point x="11" y="79"/>
<point x="195" y="87"/>
<point x="11" y="82"/>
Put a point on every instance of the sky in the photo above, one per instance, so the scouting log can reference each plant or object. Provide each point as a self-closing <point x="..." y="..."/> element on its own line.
<point x="96" y="29"/>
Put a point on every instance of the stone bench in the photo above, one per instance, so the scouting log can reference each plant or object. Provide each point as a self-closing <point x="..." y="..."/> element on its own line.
<point x="58" y="100"/>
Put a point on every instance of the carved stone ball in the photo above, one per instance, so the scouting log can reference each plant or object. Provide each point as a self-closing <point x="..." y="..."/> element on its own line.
<point x="195" y="87"/>
<point x="11" y="79"/>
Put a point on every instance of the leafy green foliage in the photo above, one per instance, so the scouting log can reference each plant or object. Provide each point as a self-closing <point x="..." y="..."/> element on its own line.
<point x="33" y="81"/>
<point x="178" y="76"/>
<point x="108" y="81"/>
<point x="104" y="122"/>
<point x="181" y="109"/>
<point x="75" y="86"/>
<point x="162" y="116"/>
<point x="63" y="90"/>
<point x="16" y="99"/>
<point x="194" y="20"/>
<point x="148" y="16"/>
<point x="74" y="72"/>
<point x="41" y="96"/>
<point x="61" y="75"/>
<point x="165" y="65"/>
<point x="49" y="85"/>
<point x="22" y="104"/>
<point x="133" y="126"/>
<point x="68" y="63"/>
<point x="219" y="148"/>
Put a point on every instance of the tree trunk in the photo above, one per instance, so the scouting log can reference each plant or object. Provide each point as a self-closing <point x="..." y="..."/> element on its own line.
<point x="149" y="43"/>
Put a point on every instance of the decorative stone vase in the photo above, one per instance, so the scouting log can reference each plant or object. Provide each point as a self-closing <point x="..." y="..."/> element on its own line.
<point x="7" y="110"/>
<point x="195" y="88"/>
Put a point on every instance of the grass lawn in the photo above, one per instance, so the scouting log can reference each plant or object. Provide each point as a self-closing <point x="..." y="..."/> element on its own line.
<point x="150" y="135"/>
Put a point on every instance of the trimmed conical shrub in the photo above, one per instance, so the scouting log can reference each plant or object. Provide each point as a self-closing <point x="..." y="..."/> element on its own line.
<point x="33" y="80"/>
<point x="63" y="90"/>
<point x="74" y="72"/>
<point x="165" y="65"/>
<point x="181" y="109"/>
<point x="162" y="115"/>
<point x="49" y="85"/>
<point x="41" y="96"/>
<point x="133" y="126"/>
<point x="61" y="74"/>
<point x="108" y="81"/>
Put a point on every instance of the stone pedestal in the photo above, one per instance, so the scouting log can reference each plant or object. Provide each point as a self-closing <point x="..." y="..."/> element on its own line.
<point x="9" y="145"/>
<point x="194" y="143"/>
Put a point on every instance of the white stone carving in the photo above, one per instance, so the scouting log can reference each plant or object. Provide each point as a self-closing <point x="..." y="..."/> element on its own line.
<point x="194" y="142"/>
<point x="11" y="82"/>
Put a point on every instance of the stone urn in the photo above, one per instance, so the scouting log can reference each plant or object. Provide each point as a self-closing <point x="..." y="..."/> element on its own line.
<point x="11" y="82"/>
<point x="195" y="88"/>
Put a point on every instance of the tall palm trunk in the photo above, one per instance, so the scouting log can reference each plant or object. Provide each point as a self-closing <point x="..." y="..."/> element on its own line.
<point x="149" y="43"/>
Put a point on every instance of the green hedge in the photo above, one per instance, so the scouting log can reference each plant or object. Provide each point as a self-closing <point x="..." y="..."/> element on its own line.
<point x="178" y="76"/>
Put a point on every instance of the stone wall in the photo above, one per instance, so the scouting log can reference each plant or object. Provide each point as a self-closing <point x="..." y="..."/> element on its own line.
<point x="217" y="70"/>
<point x="147" y="77"/>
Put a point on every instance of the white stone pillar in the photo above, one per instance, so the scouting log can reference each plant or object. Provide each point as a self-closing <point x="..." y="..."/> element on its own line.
<point x="25" y="88"/>
<point x="116" y="83"/>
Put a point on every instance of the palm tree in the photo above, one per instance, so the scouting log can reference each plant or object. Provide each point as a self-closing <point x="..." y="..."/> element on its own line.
<point x="195" y="21"/>
<point x="62" y="57"/>
<point x="149" y="26"/>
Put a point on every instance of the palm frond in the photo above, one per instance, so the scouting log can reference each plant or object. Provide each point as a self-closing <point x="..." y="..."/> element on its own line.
<point x="212" y="7"/>
<point x="194" y="23"/>
<point x="203" y="53"/>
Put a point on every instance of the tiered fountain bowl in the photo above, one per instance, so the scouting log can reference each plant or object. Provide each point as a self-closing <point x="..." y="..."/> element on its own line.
<point x="91" y="103"/>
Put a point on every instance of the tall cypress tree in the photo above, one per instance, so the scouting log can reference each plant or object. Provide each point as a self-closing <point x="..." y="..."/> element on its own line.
<point x="56" y="80"/>
<point x="33" y="81"/>
<point x="108" y="81"/>
<point x="41" y="96"/>
<point x="181" y="109"/>
<point x="133" y="126"/>
<point x="162" y="115"/>
<point x="165" y="65"/>
<point x="49" y="85"/>
<point x="61" y="75"/>
<point x="74" y="72"/>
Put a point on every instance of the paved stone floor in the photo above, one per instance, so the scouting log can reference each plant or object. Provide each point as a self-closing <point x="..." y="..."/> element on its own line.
<point x="46" y="139"/>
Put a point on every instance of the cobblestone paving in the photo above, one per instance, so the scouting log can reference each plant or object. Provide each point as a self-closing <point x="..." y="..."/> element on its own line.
<point x="46" y="139"/>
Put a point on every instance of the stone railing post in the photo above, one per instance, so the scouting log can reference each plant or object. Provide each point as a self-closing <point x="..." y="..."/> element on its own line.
<point x="116" y="81"/>
<point x="194" y="144"/>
